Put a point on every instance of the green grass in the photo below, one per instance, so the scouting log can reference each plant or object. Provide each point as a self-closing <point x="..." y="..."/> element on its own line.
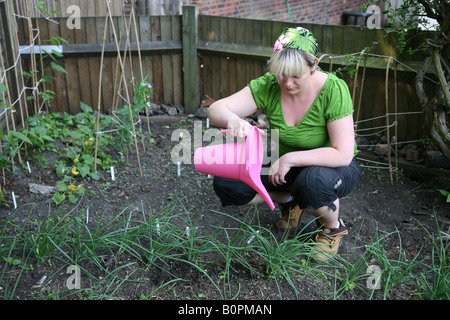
<point x="128" y="249"/>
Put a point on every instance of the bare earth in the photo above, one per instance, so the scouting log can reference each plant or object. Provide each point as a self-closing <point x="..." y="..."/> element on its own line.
<point x="407" y="212"/>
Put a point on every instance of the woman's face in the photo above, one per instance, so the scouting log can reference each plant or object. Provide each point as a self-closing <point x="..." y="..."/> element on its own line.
<point x="294" y="85"/>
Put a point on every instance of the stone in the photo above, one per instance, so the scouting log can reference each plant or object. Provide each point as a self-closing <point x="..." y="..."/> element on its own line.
<point x="201" y="112"/>
<point x="155" y="109"/>
<point x="41" y="189"/>
<point x="382" y="149"/>
<point x="412" y="155"/>
<point x="180" y="108"/>
<point x="172" y="111"/>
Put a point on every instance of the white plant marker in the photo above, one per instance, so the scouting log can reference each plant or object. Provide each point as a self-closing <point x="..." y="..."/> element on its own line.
<point x="178" y="169"/>
<point x="14" y="199"/>
<point x="112" y="173"/>
<point x="87" y="215"/>
<point x="252" y="237"/>
<point x="158" y="229"/>
<point x="28" y="165"/>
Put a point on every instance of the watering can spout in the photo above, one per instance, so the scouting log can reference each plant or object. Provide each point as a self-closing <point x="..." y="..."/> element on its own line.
<point x="241" y="161"/>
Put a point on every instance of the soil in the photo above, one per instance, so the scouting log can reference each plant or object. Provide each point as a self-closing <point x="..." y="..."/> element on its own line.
<point x="410" y="209"/>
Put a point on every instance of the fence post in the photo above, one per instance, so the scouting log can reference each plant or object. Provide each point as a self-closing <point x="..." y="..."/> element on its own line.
<point x="190" y="61"/>
<point x="7" y="50"/>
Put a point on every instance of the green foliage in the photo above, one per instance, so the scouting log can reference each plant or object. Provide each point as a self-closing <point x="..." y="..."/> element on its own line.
<point x="446" y="194"/>
<point x="78" y="134"/>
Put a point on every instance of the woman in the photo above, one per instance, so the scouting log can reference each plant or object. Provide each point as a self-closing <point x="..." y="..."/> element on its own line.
<point x="313" y="113"/>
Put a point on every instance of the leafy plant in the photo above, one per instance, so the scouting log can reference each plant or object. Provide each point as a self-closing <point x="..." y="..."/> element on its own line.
<point x="408" y="21"/>
<point x="68" y="191"/>
<point x="445" y="193"/>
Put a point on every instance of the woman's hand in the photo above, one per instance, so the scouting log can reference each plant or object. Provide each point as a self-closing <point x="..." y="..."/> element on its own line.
<point x="278" y="171"/>
<point x="238" y="128"/>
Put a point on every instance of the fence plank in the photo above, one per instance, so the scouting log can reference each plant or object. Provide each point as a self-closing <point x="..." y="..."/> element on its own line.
<point x="60" y="79"/>
<point x="190" y="38"/>
<point x="157" y="63"/>
<point x="167" y="62"/>
<point x="93" y="62"/>
<point x="83" y="66"/>
<point x="71" y="66"/>
<point x="227" y="54"/>
<point x="178" y="91"/>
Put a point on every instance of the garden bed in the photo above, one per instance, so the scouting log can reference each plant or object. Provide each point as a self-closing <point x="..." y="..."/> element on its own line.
<point x="165" y="236"/>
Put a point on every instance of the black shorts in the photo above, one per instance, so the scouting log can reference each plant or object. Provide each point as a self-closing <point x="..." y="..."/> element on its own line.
<point x="312" y="187"/>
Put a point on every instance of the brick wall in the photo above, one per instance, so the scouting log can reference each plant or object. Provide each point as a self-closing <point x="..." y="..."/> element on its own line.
<point x="306" y="11"/>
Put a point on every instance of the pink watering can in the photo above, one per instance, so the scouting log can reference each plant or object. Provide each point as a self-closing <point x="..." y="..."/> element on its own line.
<point x="240" y="160"/>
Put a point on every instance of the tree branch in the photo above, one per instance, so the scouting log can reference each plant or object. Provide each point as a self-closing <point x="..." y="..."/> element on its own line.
<point x="430" y="12"/>
<point x="442" y="80"/>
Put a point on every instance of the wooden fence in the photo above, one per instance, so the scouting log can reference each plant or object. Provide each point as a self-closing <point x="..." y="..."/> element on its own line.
<point x="97" y="8"/>
<point x="221" y="57"/>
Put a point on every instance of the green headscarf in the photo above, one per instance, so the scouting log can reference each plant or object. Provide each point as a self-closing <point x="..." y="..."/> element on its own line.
<point x="297" y="38"/>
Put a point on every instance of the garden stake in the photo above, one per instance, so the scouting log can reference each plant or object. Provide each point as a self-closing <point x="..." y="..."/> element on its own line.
<point x="32" y="56"/>
<point x="16" y="45"/>
<point x="14" y="199"/>
<point x="100" y="94"/>
<point x="395" y="111"/>
<point x="140" y="57"/>
<point x="356" y="78"/>
<point x="112" y="173"/>
<point x="116" y="77"/>
<point x="331" y="61"/>
<point x="126" y="88"/>
<point x="158" y="228"/>
<point x="41" y="59"/>
<point x="361" y="89"/>
<point x="387" y="120"/>
<point x="128" y="47"/>
<point x="252" y="237"/>
<point x="6" y="109"/>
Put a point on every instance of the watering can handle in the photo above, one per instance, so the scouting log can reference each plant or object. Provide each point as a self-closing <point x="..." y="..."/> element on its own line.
<point x="247" y="153"/>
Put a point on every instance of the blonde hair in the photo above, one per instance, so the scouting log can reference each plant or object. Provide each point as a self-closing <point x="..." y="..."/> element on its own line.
<point x="290" y="63"/>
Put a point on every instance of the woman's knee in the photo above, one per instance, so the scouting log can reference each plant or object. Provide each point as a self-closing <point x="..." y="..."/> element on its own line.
<point x="315" y="187"/>
<point x="233" y="192"/>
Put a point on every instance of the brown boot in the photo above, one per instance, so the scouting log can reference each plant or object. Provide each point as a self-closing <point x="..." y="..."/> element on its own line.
<point x="290" y="215"/>
<point x="328" y="241"/>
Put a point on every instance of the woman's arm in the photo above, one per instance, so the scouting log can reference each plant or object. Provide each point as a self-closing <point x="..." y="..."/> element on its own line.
<point x="342" y="137"/>
<point x="228" y="112"/>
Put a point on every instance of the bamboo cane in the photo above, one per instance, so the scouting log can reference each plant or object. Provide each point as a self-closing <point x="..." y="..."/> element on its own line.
<point x="396" y="123"/>
<point x="100" y="94"/>
<point x="133" y="18"/>
<point x="126" y="87"/>
<point x="387" y="119"/>
<point x="41" y="58"/>
<point x="32" y="56"/>
<point x="361" y="90"/>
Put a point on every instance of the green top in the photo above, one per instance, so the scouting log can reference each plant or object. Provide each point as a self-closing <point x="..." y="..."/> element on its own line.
<point x="332" y="103"/>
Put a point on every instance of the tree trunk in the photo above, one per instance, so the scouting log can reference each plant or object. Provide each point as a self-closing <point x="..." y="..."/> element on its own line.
<point x="436" y="117"/>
